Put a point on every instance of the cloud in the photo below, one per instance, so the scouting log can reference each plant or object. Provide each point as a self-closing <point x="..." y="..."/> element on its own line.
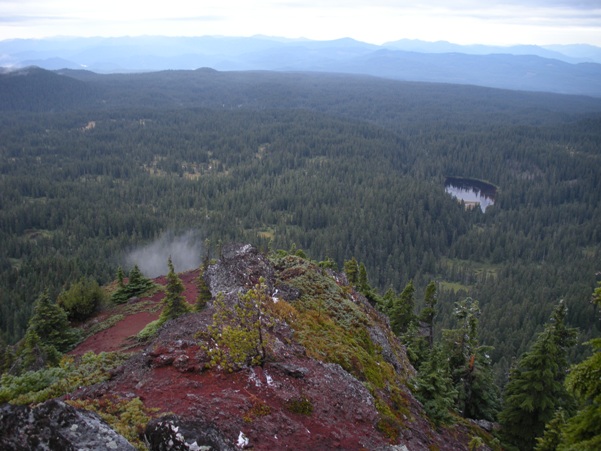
<point x="198" y="18"/>
<point x="185" y="251"/>
<point x="461" y="21"/>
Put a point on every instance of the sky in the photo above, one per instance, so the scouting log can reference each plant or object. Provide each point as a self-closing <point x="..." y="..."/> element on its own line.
<point x="506" y="22"/>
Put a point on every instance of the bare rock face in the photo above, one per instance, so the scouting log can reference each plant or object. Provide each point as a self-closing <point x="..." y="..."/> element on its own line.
<point x="54" y="425"/>
<point x="239" y="268"/>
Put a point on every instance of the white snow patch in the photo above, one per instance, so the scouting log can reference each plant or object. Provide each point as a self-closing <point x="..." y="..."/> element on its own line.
<point x="253" y="378"/>
<point x="242" y="440"/>
<point x="269" y="379"/>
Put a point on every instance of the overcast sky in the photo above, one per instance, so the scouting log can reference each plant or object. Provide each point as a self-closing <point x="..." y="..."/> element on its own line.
<point x="376" y="21"/>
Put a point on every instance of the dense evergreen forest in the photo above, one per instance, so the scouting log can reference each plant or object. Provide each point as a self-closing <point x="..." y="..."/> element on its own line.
<point x="340" y="166"/>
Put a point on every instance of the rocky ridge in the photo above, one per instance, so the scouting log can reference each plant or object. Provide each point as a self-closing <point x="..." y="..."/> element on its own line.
<point x="333" y="375"/>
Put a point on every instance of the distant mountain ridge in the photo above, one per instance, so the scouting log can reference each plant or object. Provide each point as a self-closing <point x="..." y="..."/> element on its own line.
<point x="578" y="53"/>
<point x="559" y="69"/>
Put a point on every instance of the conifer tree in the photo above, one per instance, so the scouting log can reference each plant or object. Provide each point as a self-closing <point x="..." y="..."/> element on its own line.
<point x="434" y="387"/>
<point x="204" y="292"/>
<point x="51" y="324"/>
<point x="174" y="303"/>
<point x="536" y="384"/>
<point x="136" y="278"/>
<point x="48" y="335"/>
<point x="351" y="269"/>
<point x="470" y="364"/>
<point x="362" y="282"/>
<point x="402" y="314"/>
<point x="136" y="285"/>
<point x="419" y="338"/>
<point x="428" y="313"/>
<point x="35" y="354"/>
<point x="387" y="301"/>
<point x="583" y="430"/>
<point x="553" y="432"/>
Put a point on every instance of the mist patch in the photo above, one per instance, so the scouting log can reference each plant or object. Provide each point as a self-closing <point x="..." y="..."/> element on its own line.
<point x="185" y="251"/>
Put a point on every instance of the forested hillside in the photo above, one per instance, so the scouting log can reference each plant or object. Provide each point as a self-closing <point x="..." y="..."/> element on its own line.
<point x="340" y="166"/>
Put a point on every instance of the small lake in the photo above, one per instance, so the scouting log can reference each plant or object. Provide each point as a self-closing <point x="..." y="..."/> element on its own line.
<point x="472" y="192"/>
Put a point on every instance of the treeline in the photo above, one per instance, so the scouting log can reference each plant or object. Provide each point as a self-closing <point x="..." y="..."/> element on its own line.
<point x="342" y="166"/>
<point x="547" y="404"/>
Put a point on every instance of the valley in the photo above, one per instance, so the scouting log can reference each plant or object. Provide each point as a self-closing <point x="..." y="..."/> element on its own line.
<point x="341" y="166"/>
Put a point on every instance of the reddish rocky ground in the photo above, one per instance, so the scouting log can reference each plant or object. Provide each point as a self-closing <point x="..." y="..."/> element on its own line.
<point x="292" y="402"/>
<point x="120" y="336"/>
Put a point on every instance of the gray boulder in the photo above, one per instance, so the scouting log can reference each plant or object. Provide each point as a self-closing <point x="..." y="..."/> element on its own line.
<point x="54" y="425"/>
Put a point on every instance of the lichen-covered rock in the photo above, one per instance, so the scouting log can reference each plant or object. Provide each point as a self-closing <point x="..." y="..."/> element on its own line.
<point x="240" y="268"/>
<point x="171" y="433"/>
<point x="54" y="425"/>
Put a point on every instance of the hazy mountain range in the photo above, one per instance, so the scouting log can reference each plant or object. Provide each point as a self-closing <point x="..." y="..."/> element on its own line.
<point x="568" y="69"/>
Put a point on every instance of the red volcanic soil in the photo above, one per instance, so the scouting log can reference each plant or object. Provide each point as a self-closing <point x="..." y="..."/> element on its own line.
<point x="119" y="337"/>
<point x="170" y="374"/>
<point x="165" y="376"/>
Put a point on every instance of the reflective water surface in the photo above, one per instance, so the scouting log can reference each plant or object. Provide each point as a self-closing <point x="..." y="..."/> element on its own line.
<point x="473" y="193"/>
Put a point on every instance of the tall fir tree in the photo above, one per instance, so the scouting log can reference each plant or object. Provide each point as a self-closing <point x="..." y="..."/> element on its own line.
<point x="429" y="312"/>
<point x="351" y="269"/>
<point x="470" y="365"/>
<point x="536" y="384"/>
<point x="362" y="282"/>
<point x="434" y="387"/>
<point x="419" y="338"/>
<point x="582" y="431"/>
<point x="51" y="324"/>
<point x="401" y="314"/>
<point x="204" y="292"/>
<point x="174" y="304"/>
<point x="48" y="335"/>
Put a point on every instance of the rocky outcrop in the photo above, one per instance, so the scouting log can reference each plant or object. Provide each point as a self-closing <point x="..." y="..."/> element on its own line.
<point x="54" y="425"/>
<point x="333" y="376"/>
<point x="239" y="268"/>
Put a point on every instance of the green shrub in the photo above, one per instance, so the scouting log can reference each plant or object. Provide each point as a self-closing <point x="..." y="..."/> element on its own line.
<point x="301" y="405"/>
<point x="31" y="386"/>
<point x="47" y="383"/>
<point x="82" y="299"/>
<point x="258" y="409"/>
<point x="149" y="330"/>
